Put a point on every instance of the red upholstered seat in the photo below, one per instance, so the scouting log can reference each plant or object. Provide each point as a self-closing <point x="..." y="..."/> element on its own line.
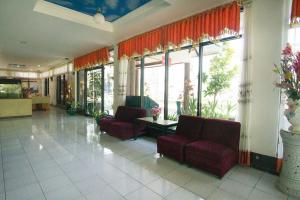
<point x="123" y="124"/>
<point x="214" y="157"/>
<point x="187" y="130"/>
<point x="173" y="146"/>
<point x="209" y="144"/>
<point x="105" y="122"/>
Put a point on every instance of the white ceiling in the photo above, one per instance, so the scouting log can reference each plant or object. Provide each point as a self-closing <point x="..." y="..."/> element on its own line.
<point x="33" y="38"/>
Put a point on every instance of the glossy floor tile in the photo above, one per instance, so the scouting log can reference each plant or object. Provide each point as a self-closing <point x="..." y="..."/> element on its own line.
<point x="53" y="156"/>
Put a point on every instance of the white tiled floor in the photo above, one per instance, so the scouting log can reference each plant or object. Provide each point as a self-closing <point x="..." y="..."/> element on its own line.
<point x="54" y="156"/>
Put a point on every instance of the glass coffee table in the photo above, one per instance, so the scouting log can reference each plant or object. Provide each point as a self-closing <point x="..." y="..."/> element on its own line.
<point x="161" y="127"/>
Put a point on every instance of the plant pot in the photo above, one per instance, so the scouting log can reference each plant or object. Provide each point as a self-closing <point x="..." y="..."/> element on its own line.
<point x="292" y="114"/>
<point x="155" y="117"/>
<point x="289" y="180"/>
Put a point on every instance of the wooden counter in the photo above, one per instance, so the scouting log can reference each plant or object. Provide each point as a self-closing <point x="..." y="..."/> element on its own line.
<point x="15" y="107"/>
<point x="40" y="103"/>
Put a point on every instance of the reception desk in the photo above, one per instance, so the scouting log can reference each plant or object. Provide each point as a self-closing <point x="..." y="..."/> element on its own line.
<point x="40" y="103"/>
<point x="15" y="107"/>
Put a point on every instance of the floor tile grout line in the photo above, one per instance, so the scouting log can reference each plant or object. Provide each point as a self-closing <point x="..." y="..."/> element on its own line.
<point x="60" y="167"/>
<point x="32" y="168"/>
<point x="3" y="168"/>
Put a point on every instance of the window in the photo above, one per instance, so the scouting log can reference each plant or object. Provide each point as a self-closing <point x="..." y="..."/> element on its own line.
<point x="154" y="79"/>
<point x="293" y="38"/>
<point x="81" y="89"/>
<point x="94" y="88"/>
<point x="220" y="79"/>
<point x="108" y="88"/>
<point x="200" y="80"/>
<point x="183" y="82"/>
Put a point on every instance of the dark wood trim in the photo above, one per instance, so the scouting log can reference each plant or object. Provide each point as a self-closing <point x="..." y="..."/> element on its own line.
<point x="264" y="162"/>
<point x="102" y="88"/>
<point x="166" y="95"/>
<point x="142" y="81"/>
<point x="199" y="89"/>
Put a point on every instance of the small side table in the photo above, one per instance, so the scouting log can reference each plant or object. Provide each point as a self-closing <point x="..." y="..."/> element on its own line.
<point x="289" y="181"/>
<point x="162" y="125"/>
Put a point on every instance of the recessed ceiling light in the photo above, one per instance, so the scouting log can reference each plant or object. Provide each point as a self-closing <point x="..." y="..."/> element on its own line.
<point x="18" y="66"/>
<point x="39" y="65"/>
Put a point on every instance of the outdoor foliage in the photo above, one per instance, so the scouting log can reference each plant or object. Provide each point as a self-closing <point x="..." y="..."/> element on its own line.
<point x="94" y="91"/>
<point x="217" y="81"/>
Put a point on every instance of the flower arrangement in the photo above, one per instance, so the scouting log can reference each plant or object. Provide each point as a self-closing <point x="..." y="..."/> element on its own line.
<point x="155" y="112"/>
<point x="289" y="72"/>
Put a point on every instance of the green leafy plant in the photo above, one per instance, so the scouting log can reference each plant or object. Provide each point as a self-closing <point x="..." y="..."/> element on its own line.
<point x="98" y="115"/>
<point x="173" y="117"/>
<point x="94" y="90"/>
<point x="72" y="107"/>
<point x="217" y="81"/>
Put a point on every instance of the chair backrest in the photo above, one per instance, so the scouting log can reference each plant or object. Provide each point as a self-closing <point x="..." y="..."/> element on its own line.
<point x="223" y="132"/>
<point x="129" y="114"/>
<point x="190" y="126"/>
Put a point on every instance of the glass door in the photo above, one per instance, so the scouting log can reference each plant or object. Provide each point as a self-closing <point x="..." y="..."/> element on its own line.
<point x="220" y="79"/>
<point x="94" y="94"/>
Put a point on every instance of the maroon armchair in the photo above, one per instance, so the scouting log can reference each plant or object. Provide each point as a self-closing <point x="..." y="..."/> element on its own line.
<point x="217" y="150"/>
<point x="123" y="125"/>
<point x="188" y="130"/>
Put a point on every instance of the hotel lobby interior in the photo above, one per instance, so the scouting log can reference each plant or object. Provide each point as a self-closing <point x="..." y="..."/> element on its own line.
<point x="150" y="99"/>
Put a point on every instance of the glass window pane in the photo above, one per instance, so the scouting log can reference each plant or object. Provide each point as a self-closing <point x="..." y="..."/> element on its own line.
<point x="81" y="89"/>
<point x="221" y="79"/>
<point x="154" y="80"/>
<point x="183" y="83"/>
<point x="108" y="88"/>
<point x="94" y="89"/>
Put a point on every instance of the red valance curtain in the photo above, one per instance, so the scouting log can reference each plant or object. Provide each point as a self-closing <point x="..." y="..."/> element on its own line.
<point x="100" y="56"/>
<point x="137" y="45"/>
<point x="295" y="14"/>
<point x="210" y="24"/>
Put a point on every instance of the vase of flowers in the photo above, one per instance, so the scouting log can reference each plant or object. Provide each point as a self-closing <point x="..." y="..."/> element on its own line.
<point x="155" y="113"/>
<point x="289" y="72"/>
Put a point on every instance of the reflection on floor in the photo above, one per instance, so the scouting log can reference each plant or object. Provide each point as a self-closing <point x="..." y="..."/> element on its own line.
<point x="54" y="156"/>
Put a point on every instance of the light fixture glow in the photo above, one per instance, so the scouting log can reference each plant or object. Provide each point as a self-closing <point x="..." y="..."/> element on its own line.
<point x="98" y="17"/>
<point x="39" y="65"/>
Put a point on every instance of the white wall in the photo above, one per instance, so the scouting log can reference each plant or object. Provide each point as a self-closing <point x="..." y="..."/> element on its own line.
<point x="266" y="44"/>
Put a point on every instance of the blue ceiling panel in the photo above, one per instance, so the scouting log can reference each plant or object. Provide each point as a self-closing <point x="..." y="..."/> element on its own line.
<point x="111" y="9"/>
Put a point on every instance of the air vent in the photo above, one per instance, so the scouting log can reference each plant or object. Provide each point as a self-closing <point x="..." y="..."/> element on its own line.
<point x="16" y="65"/>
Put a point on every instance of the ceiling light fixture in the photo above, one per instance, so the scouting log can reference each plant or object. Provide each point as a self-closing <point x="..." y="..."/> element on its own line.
<point x="99" y="17"/>
<point x="39" y="65"/>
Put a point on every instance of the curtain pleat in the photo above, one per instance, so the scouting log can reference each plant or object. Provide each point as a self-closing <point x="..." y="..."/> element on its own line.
<point x="210" y="24"/>
<point x="100" y="57"/>
<point x="295" y="14"/>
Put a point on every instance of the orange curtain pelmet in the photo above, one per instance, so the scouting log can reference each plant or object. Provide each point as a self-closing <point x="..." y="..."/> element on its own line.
<point x="295" y="14"/>
<point x="210" y="24"/>
<point x="100" y="56"/>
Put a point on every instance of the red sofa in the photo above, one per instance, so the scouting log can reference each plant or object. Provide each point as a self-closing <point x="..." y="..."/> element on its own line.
<point x="123" y="125"/>
<point x="208" y="144"/>
<point x="188" y="130"/>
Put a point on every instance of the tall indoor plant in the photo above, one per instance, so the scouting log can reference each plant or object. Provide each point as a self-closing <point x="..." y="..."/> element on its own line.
<point x="289" y="72"/>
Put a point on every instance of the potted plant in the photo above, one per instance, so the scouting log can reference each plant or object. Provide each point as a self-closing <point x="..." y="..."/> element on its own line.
<point x="289" y="72"/>
<point x="72" y="108"/>
<point x="155" y="112"/>
<point x="98" y="115"/>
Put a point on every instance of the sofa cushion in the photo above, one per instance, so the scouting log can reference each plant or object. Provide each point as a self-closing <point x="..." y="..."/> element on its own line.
<point x="190" y="126"/>
<point x="223" y="132"/>
<point x="205" y="149"/>
<point x="122" y="130"/>
<point x="173" y="146"/>
<point x="213" y="157"/>
<point x="105" y="123"/>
